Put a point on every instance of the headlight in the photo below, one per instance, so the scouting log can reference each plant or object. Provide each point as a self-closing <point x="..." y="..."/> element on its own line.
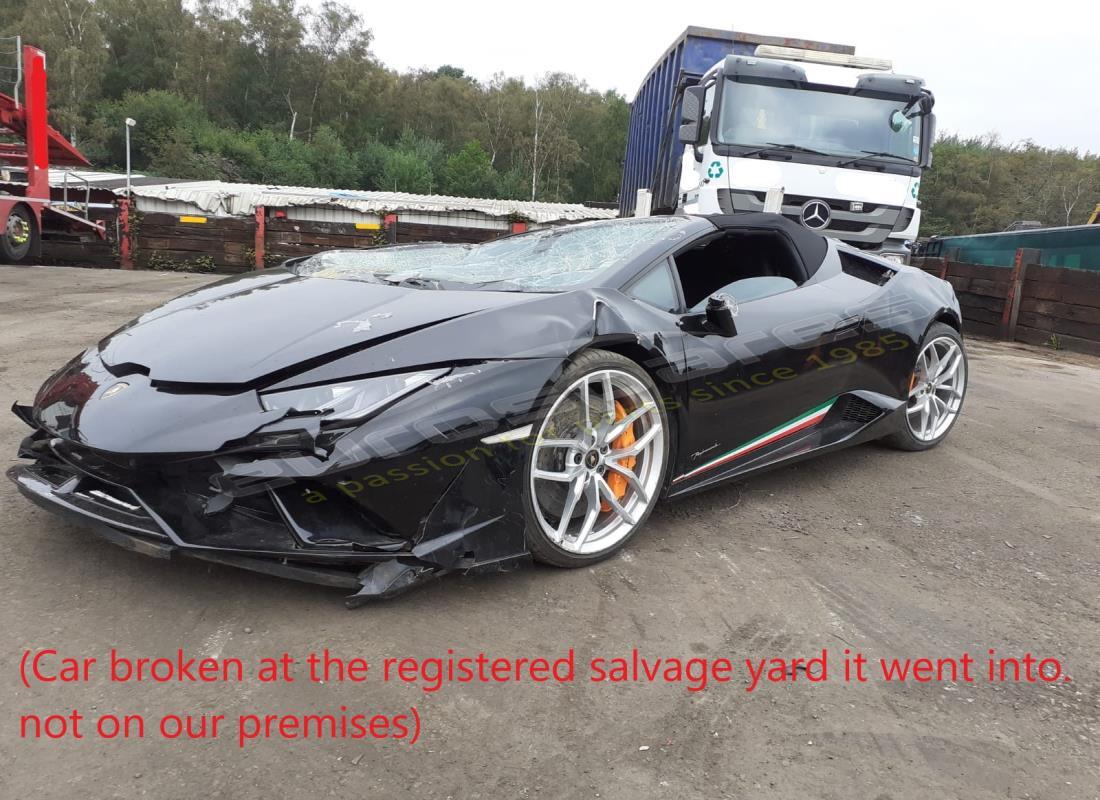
<point x="349" y="400"/>
<point x="897" y="258"/>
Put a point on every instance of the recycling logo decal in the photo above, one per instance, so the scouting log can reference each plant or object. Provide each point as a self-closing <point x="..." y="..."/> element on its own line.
<point x="715" y="170"/>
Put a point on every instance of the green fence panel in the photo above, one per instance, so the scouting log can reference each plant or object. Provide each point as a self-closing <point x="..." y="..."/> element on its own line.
<point x="1076" y="247"/>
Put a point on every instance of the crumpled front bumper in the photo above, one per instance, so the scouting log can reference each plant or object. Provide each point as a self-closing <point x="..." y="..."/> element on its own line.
<point x="376" y="544"/>
<point x="412" y="494"/>
<point x="118" y="516"/>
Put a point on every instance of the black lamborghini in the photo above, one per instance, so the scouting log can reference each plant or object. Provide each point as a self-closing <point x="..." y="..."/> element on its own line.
<point x="369" y="419"/>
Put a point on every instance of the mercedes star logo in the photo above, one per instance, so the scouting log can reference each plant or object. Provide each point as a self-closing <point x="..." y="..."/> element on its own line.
<point x="118" y="387"/>
<point x="816" y="214"/>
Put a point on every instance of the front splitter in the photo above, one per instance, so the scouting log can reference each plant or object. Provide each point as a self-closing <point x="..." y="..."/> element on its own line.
<point x="380" y="580"/>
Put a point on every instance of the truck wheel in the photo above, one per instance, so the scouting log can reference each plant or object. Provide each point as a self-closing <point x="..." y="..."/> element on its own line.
<point x="18" y="236"/>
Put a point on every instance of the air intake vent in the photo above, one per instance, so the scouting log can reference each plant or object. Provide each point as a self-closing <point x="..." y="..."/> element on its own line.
<point x="859" y="411"/>
<point x="864" y="269"/>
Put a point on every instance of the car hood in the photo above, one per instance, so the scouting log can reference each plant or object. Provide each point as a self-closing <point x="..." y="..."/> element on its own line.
<point x="259" y="325"/>
<point x="183" y="378"/>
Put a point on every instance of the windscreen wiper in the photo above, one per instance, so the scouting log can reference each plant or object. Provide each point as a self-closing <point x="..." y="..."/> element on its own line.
<point x="798" y="148"/>
<point x="412" y="281"/>
<point x="760" y="151"/>
<point x="773" y="147"/>
<point x="503" y="284"/>
<point x="869" y="154"/>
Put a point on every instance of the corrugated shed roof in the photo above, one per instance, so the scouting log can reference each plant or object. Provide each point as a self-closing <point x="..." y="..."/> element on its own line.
<point x="98" y="179"/>
<point x="77" y="179"/>
<point x="242" y="199"/>
<point x="92" y="176"/>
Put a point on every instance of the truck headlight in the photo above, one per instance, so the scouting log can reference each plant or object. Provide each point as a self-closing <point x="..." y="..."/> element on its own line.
<point x="349" y="400"/>
<point x="897" y="258"/>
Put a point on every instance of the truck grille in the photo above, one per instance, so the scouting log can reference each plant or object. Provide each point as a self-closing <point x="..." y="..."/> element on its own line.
<point x="866" y="228"/>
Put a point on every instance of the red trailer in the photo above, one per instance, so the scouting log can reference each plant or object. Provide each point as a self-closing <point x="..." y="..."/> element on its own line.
<point x="28" y="147"/>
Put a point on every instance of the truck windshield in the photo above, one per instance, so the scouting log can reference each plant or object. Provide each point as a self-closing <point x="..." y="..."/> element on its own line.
<point x="759" y="115"/>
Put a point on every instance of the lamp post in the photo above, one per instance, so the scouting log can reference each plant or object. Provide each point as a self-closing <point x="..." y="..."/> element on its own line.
<point x="129" y="124"/>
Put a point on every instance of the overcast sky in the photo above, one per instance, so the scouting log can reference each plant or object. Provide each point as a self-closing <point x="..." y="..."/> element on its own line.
<point x="1027" y="72"/>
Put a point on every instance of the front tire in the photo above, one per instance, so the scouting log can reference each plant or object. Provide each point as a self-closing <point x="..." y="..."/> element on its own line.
<point x="937" y="388"/>
<point x="597" y="465"/>
<point x="18" y="236"/>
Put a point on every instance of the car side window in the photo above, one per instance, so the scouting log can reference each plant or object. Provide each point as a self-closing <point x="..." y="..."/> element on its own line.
<point x="656" y="288"/>
<point x="734" y="256"/>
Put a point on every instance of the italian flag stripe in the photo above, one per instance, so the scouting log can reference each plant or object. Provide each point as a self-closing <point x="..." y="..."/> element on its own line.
<point x="807" y="420"/>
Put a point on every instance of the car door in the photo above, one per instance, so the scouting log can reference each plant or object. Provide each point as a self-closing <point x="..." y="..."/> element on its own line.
<point x="750" y="395"/>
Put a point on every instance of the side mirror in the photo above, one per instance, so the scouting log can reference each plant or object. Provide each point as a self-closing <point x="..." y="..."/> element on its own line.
<point x="927" y="136"/>
<point x="721" y="311"/>
<point x="691" y="114"/>
<point x="920" y="106"/>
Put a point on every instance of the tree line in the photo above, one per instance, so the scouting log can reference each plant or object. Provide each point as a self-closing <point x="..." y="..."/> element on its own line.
<point x="288" y="92"/>
<point x="981" y="184"/>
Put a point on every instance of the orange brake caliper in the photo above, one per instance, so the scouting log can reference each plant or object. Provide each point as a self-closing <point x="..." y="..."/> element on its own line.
<point x="616" y="482"/>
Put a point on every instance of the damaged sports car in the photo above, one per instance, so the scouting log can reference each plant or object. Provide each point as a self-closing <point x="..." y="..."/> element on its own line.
<point x="372" y="419"/>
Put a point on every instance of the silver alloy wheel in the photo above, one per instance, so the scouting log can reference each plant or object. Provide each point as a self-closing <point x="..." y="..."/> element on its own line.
<point x="575" y="454"/>
<point x="936" y="393"/>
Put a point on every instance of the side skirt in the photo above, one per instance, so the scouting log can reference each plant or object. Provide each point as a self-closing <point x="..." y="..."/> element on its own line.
<point x="825" y="428"/>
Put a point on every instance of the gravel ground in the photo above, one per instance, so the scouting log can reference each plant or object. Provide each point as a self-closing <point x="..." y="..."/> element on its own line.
<point x="989" y="541"/>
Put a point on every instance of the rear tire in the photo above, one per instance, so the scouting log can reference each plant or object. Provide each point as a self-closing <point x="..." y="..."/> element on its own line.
<point x="592" y="479"/>
<point x="18" y="236"/>
<point x="937" y="390"/>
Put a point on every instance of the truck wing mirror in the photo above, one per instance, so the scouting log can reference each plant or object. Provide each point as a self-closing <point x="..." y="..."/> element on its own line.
<point x="927" y="136"/>
<point x="691" y="114"/>
<point x="920" y="106"/>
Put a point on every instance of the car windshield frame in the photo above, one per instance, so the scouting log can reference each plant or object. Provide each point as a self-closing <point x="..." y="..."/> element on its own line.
<point x="545" y="260"/>
<point x="792" y="109"/>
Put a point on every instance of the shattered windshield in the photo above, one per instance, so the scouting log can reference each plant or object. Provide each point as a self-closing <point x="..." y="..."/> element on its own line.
<point x="545" y="260"/>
